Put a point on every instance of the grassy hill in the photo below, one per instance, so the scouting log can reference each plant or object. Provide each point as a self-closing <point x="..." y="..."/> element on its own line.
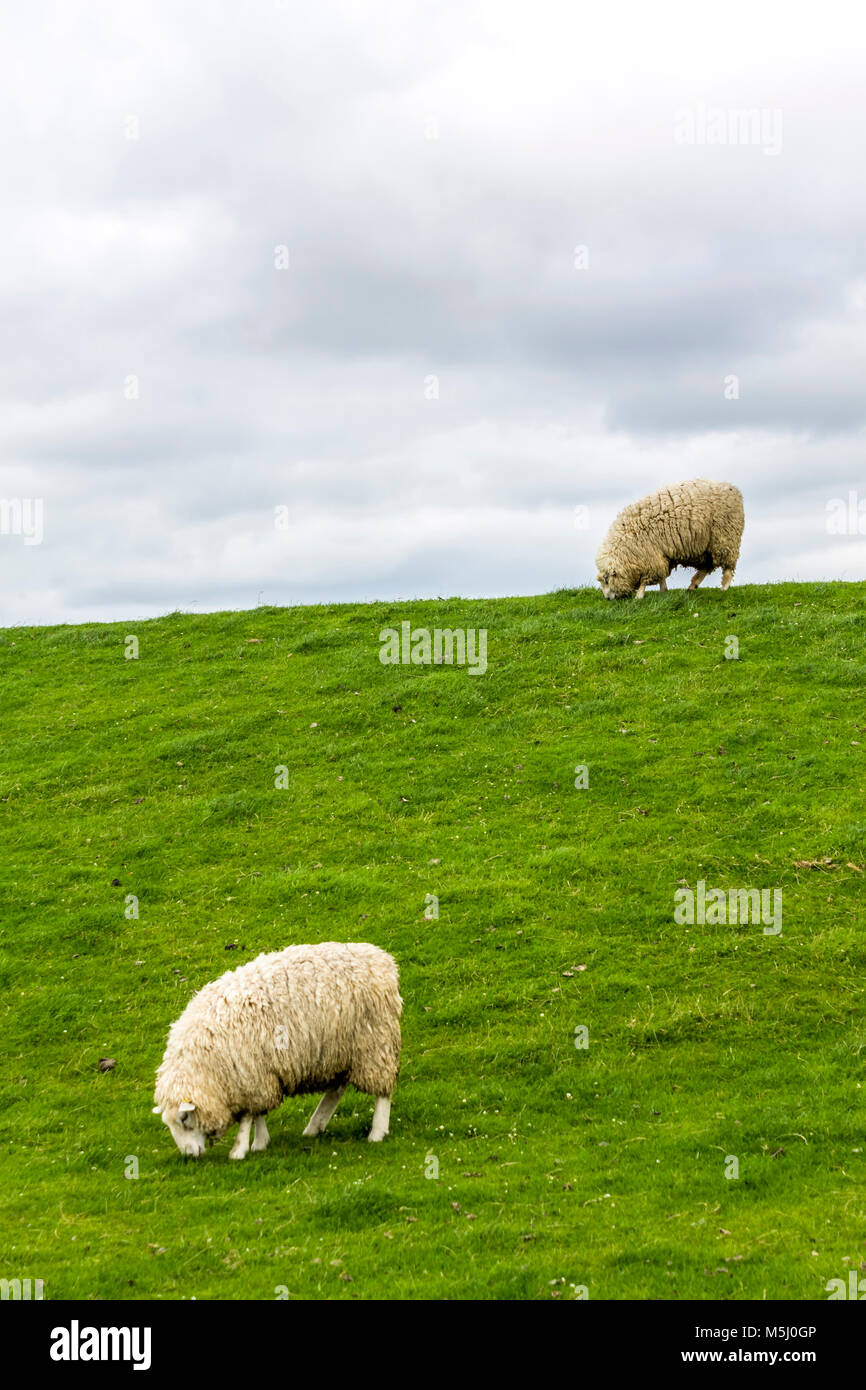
<point x="559" y="1166"/>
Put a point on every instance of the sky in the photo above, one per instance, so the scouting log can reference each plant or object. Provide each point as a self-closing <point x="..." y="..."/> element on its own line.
<point x="304" y="304"/>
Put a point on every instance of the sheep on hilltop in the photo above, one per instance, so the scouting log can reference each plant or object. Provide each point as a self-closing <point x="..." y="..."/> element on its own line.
<point x="697" y="524"/>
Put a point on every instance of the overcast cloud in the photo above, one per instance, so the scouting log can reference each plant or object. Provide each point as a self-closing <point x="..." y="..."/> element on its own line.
<point x="430" y="170"/>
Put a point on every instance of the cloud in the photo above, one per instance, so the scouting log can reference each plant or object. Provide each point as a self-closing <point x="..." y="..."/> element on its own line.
<point x="438" y="377"/>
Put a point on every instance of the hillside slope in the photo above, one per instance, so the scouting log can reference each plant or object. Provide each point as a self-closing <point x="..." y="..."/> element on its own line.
<point x="606" y="1167"/>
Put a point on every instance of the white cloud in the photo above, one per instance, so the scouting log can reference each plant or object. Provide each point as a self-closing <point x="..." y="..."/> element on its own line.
<point x="431" y="169"/>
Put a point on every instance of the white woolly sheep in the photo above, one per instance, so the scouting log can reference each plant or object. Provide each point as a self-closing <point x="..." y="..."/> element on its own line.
<point x="307" y="1019"/>
<point x="696" y="524"/>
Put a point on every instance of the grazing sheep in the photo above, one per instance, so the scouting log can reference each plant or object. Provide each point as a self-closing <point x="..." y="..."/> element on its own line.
<point x="310" y="1018"/>
<point x="696" y="524"/>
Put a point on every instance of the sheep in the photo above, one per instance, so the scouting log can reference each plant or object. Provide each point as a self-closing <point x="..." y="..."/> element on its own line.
<point x="696" y="524"/>
<point x="292" y="1022"/>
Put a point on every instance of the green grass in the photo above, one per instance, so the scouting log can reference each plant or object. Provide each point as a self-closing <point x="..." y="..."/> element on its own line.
<point x="558" y="1167"/>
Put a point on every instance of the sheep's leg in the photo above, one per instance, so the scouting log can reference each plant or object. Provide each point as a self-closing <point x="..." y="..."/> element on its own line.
<point x="641" y="591"/>
<point x="698" y="578"/>
<point x="663" y="586"/>
<point x="241" y="1146"/>
<point x="262" y="1138"/>
<point x="323" y="1111"/>
<point x="727" y="576"/>
<point x="381" y="1115"/>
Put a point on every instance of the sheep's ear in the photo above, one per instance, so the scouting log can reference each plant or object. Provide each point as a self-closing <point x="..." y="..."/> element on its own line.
<point x="184" y="1107"/>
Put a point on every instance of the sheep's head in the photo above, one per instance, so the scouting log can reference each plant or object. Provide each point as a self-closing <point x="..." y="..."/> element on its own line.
<point x="614" y="585"/>
<point x="185" y="1126"/>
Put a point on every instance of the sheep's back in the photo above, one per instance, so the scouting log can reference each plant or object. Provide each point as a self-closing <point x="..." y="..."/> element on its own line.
<point x="301" y="1018"/>
<point x="682" y="519"/>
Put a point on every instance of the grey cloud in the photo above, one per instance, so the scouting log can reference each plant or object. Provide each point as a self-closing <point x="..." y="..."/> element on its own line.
<point x="411" y="258"/>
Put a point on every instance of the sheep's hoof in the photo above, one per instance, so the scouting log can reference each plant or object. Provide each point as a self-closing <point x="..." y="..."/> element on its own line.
<point x="235" y="1155"/>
